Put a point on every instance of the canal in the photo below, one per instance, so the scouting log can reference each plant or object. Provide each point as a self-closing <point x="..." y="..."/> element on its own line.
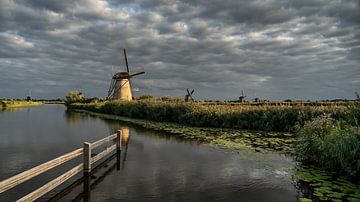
<point x="153" y="166"/>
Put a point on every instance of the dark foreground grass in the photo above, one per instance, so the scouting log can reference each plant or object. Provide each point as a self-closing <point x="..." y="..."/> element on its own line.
<point x="332" y="145"/>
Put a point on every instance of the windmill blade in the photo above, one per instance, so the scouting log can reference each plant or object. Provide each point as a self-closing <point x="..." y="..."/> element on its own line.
<point x="111" y="88"/>
<point x="138" y="73"/>
<point x="191" y="98"/>
<point x="242" y="93"/>
<point x="188" y="91"/>
<point x="192" y="92"/>
<point x="126" y="61"/>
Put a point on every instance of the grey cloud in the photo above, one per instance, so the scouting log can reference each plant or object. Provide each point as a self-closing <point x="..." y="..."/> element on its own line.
<point x="271" y="49"/>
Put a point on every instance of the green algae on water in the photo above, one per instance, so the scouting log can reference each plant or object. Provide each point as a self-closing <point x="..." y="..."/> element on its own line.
<point x="221" y="137"/>
<point x="326" y="186"/>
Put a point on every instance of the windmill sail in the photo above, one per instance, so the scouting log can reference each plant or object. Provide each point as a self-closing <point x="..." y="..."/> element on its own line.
<point x="188" y="96"/>
<point x="126" y="61"/>
<point x="138" y="73"/>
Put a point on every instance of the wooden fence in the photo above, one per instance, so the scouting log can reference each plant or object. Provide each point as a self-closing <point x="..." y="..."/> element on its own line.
<point x="85" y="167"/>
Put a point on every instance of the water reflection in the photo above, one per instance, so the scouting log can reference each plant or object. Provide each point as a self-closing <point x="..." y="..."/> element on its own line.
<point x="90" y="182"/>
<point x="73" y="118"/>
<point x="100" y="172"/>
<point x="119" y="164"/>
<point x="151" y="166"/>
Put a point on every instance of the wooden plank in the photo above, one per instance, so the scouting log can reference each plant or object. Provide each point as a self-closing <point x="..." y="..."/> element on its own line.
<point x="87" y="157"/>
<point x="52" y="184"/>
<point x="103" y="141"/>
<point x="103" y="153"/>
<point x="26" y="175"/>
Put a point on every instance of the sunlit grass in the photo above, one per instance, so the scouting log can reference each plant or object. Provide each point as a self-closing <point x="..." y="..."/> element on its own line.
<point x="19" y="103"/>
<point x="239" y="116"/>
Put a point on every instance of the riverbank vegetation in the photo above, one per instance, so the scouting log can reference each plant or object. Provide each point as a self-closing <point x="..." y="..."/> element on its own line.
<point x="264" y="118"/>
<point x="222" y="137"/>
<point x="331" y="144"/>
<point x="326" y="136"/>
<point x="19" y="103"/>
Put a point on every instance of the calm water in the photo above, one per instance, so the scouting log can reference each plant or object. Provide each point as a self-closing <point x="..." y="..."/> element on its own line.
<point x="153" y="167"/>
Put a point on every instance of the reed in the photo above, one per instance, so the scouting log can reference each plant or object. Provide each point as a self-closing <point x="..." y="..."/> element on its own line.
<point x="330" y="144"/>
<point x="265" y="118"/>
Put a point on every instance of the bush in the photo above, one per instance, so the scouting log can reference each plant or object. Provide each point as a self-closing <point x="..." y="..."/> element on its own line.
<point x="77" y="97"/>
<point x="147" y="97"/>
<point x="73" y="97"/>
<point x="330" y="144"/>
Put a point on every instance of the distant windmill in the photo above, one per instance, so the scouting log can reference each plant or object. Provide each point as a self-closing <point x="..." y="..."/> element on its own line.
<point x="120" y="86"/>
<point x="242" y="97"/>
<point x="28" y="98"/>
<point x="357" y="96"/>
<point x="188" y="96"/>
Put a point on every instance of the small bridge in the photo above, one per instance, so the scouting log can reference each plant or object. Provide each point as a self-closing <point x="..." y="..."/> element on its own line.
<point x="113" y="142"/>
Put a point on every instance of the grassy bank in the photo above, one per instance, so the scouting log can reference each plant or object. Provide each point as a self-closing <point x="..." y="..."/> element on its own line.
<point x="226" y="138"/>
<point x="264" y="118"/>
<point x="332" y="143"/>
<point x="18" y="103"/>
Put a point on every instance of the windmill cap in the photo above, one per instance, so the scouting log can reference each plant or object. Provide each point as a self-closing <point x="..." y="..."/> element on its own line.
<point x="121" y="75"/>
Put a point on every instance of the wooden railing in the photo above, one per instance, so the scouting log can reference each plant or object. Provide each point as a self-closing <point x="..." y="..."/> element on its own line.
<point x="88" y="160"/>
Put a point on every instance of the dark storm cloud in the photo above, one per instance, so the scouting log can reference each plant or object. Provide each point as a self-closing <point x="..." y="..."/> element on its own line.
<point x="273" y="49"/>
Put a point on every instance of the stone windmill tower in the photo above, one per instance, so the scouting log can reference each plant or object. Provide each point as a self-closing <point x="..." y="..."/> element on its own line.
<point x="120" y="86"/>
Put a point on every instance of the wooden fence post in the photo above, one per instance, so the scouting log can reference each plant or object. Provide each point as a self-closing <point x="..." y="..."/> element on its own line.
<point x="118" y="149"/>
<point x="87" y="158"/>
<point x="118" y="141"/>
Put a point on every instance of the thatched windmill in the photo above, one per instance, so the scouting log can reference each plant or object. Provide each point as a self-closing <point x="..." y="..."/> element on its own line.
<point x="120" y="86"/>
<point x="188" y="96"/>
<point x="242" y="97"/>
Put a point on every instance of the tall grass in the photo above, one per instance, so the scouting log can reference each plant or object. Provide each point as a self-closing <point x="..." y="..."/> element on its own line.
<point x="266" y="118"/>
<point x="330" y="144"/>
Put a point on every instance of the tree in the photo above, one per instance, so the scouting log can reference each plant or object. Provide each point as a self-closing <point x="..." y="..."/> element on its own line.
<point x="74" y="96"/>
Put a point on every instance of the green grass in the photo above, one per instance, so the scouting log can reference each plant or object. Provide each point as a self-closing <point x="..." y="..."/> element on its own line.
<point x="264" y="118"/>
<point x="19" y="103"/>
<point x="329" y="144"/>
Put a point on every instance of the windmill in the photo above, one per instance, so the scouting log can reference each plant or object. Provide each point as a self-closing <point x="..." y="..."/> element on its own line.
<point x="188" y="96"/>
<point x="120" y="86"/>
<point x="28" y="98"/>
<point x="242" y="97"/>
<point x="357" y="96"/>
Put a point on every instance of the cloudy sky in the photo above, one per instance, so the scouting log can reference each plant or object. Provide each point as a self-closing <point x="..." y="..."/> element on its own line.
<point x="271" y="49"/>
